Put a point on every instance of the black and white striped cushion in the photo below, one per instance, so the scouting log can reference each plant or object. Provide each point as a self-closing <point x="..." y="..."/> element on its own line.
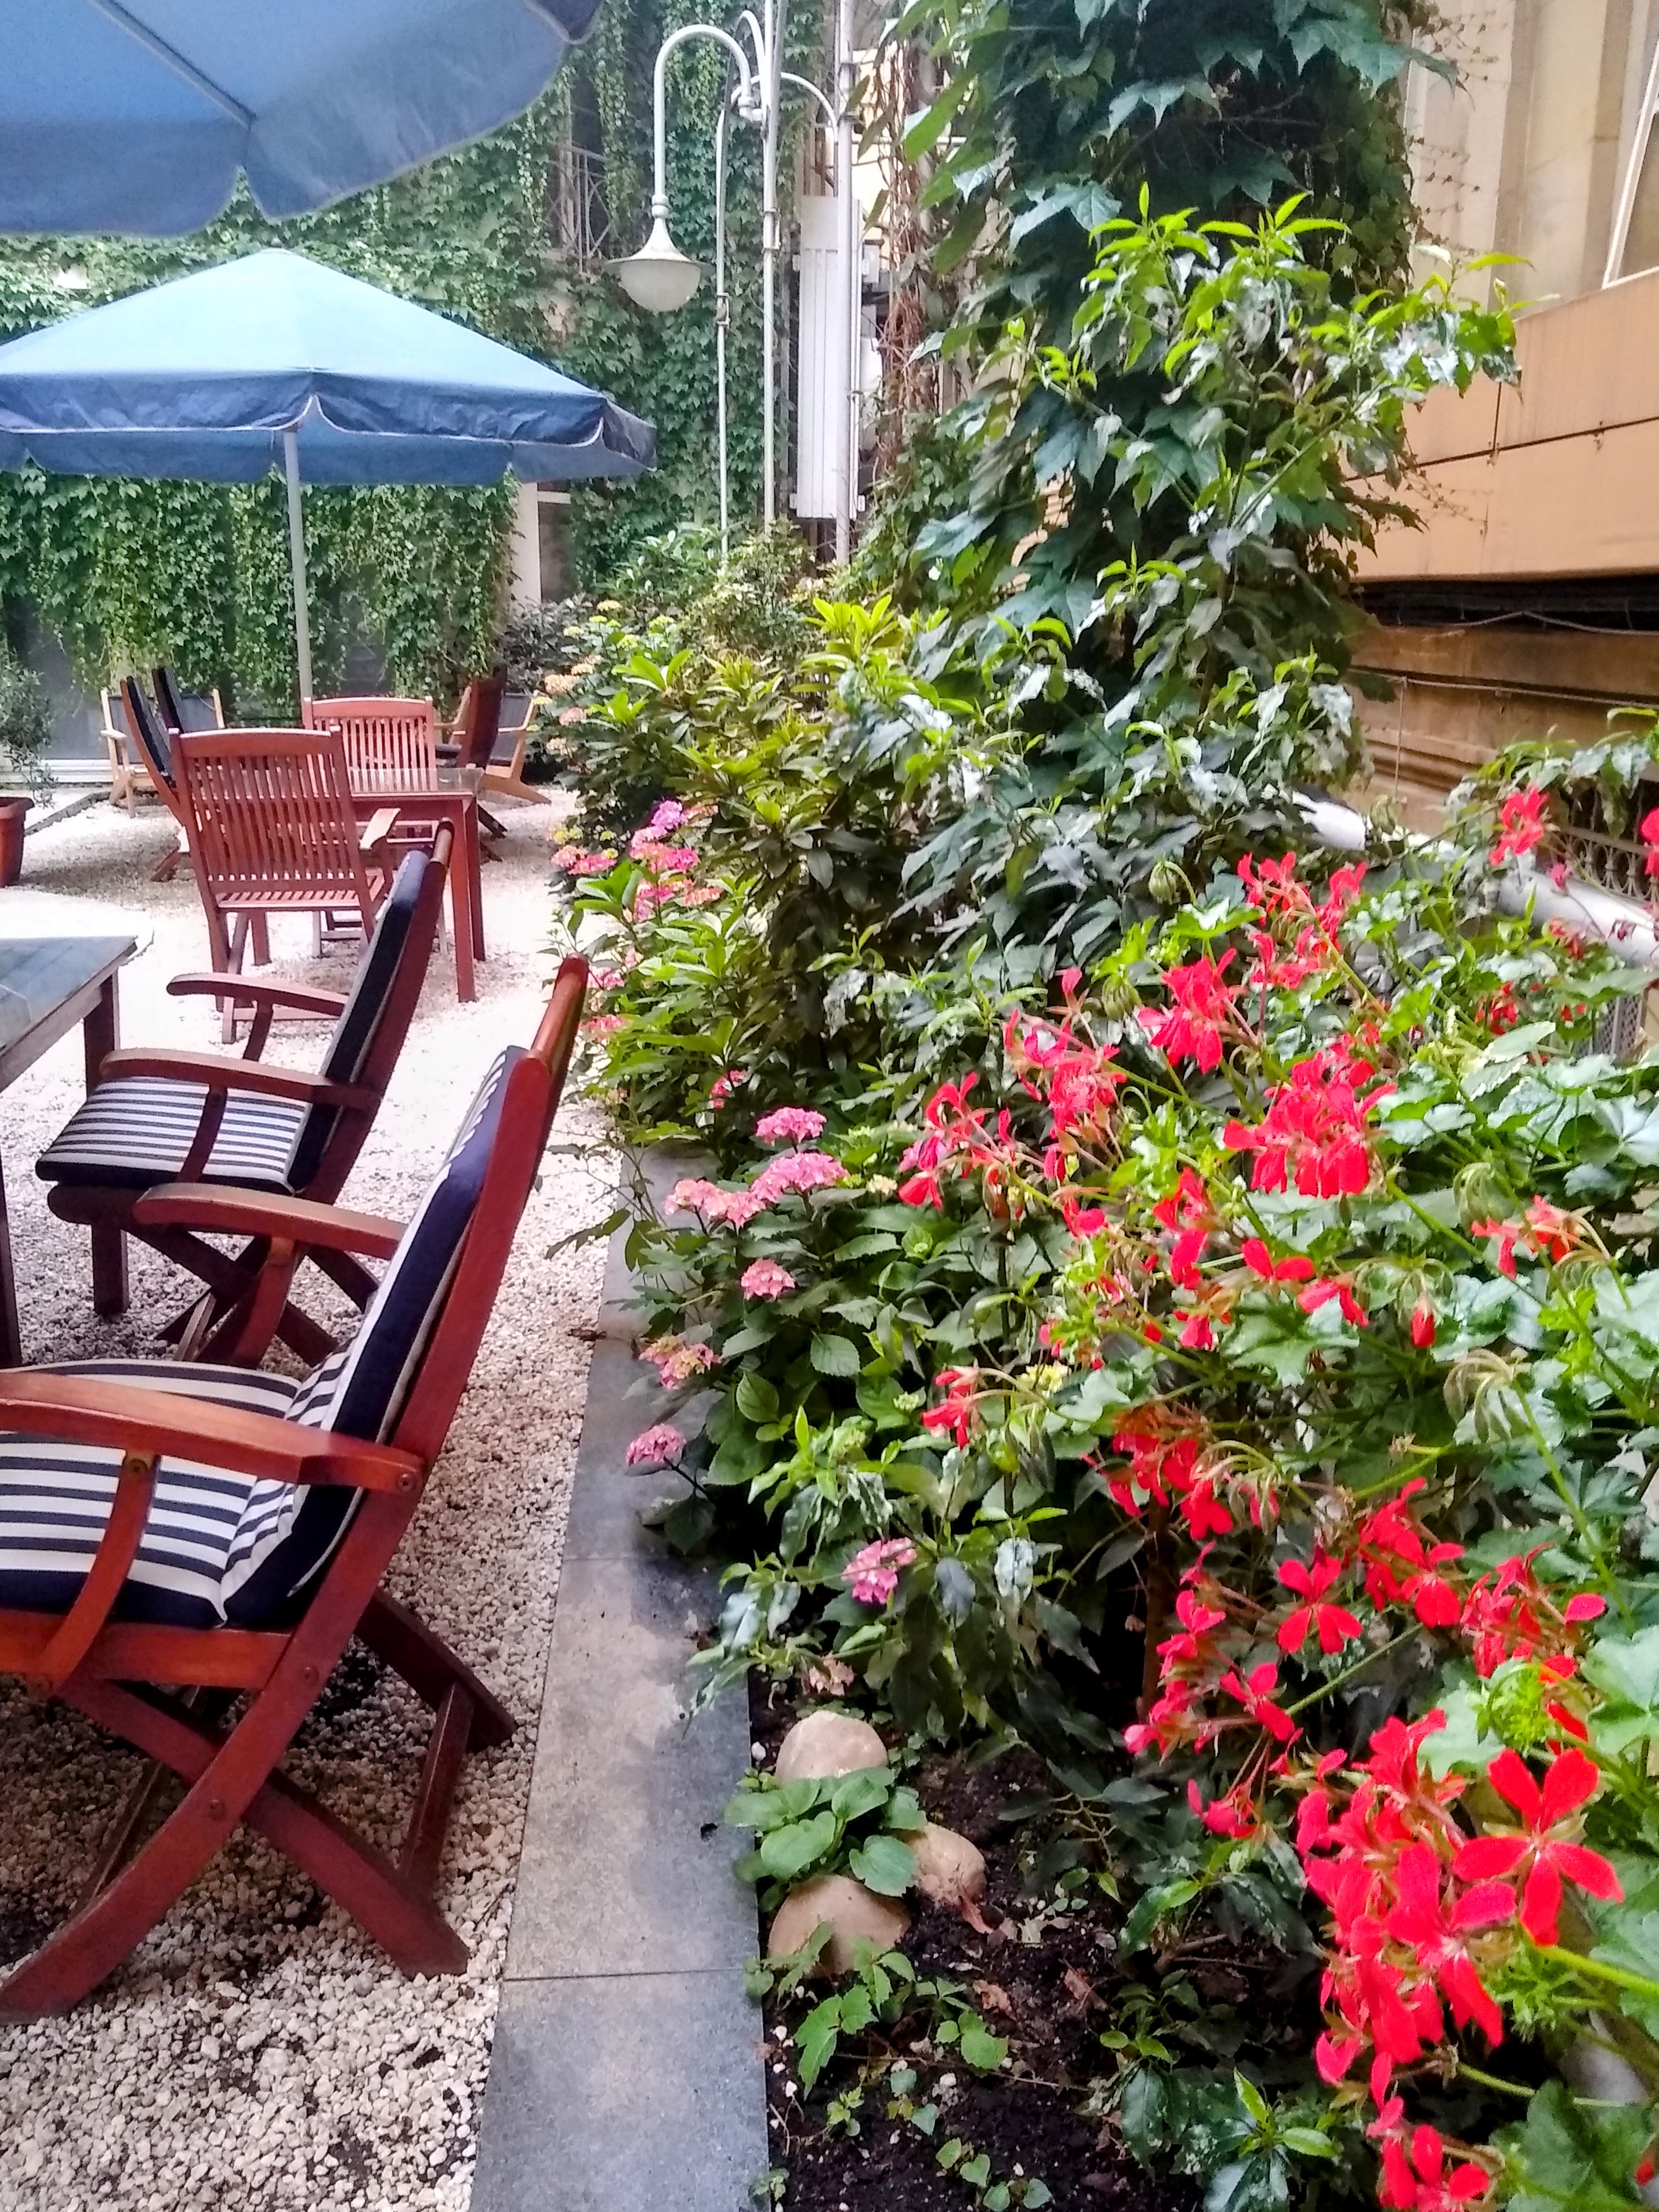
<point x="220" y="1547"/>
<point x="205" y="1526"/>
<point x="136" y="1131"/>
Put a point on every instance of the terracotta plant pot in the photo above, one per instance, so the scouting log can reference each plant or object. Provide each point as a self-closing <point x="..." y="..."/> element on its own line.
<point x="13" y="807"/>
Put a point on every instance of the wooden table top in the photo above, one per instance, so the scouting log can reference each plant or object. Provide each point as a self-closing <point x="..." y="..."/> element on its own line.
<point x="41" y="979"/>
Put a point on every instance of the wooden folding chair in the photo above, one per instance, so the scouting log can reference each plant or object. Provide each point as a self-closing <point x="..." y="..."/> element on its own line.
<point x="159" y="1115"/>
<point x="156" y="751"/>
<point x="272" y="831"/>
<point x="473" y="737"/>
<point x="168" y="1528"/>
<point x="390" y="745"/>
<point x="128" y="780"/>
<point x="504" y="777"/>
<point x="182" y="710"/>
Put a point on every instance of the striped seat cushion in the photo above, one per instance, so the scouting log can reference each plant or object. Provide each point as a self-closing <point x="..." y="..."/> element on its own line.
<point x="136" y="1131"/>
<point x="217" y="1545"/>
<point x="220" y="1547"/>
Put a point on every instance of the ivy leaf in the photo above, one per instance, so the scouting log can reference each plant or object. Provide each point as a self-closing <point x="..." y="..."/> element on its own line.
<point x="980" y="2047"/>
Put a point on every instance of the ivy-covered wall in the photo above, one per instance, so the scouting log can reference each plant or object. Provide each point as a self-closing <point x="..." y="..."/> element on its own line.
<point x="128" y="574"/>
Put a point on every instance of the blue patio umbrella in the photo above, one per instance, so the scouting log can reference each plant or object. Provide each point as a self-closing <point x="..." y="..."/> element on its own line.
<point x="137" y="115"/>
<point x="275" y="361"/>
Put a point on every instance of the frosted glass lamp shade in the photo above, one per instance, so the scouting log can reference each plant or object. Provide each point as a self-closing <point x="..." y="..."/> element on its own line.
<point x="659" y="277"/>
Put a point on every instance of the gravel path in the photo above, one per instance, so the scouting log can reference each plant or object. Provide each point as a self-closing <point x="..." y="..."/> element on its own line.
<point x="257" y="2052"/>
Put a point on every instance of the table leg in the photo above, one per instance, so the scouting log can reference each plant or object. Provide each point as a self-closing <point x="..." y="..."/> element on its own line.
<point x="475" y="879"/>
<point x="11" y="1341"/>
<point x="109" y="1246"/>
<point x="462" y="928"/>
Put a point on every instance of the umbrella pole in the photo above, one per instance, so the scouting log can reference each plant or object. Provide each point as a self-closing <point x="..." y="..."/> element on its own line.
<point x="297" y="551"/>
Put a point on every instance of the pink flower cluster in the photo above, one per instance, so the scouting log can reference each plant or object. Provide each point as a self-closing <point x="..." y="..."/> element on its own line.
<point x="795" y="1125"/>
<point x="656" y="1446"/>
<point x="696" y="1194"/>
<point x="676" y="1361"/>
<point x="571" y="861"/>
<point x="872" y="1574"/>
<point x="796" y="1172"/>
<point x="765" y="1279"/>
<point x="723" y="1085"/>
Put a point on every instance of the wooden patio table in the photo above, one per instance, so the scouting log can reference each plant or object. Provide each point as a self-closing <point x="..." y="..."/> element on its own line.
<point x="47" y="984"/>
<point x="459" y="808"/>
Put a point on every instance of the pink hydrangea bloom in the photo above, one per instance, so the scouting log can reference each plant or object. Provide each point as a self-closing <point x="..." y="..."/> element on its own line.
<point x="649" y="896"/>
<point x="652" y="1446"/>
<point x="723" y="1085"/>
<point x="667" y="860"/>
<point x="764" y="1279"/>
<point x="668" y="814"/>
<point x="800" y="1124"/>
<point x="872" y="1574"/>
<point x="571" y="861"/>
<point x="676" y="1361"/>
<point x="602" y="1025"/>
<point x="703" y="894"/>
<point x="694" y="1194"/>
<point x="801" y="1172"/>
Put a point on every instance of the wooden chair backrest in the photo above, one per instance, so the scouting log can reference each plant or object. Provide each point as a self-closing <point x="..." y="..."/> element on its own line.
<point x="350" y="1130"/>
<point x="153" y="745"/>
<point x="270" y="812"/>
<point x="478" y="723"/>
<point x="533" y="1089"/>
<point x="173" y="706"/>
<point x="390" y="745"/>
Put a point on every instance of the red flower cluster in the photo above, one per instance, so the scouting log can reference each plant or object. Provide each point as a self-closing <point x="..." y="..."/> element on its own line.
<point x="955" y="1411"/>
<point x="1169" y="1461"/>
<point x="1316" y="1127"/>
<point x="1194" y="1027"/>
<point x="956" y="1136"/>
<point x="1551" y="1233"/>
<point x="1521" y="824"/>
<point x="1509" y="1614"/>
<point x="1074" y="1077"/>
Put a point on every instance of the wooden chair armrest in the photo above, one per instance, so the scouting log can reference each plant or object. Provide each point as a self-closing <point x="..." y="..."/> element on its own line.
<point x="330" y="1003"/>
<point x="379" y="827"/>
<point x="95" y="1410"/>
<point x="228" y="1213"/>
<point x="221" y="1074"/>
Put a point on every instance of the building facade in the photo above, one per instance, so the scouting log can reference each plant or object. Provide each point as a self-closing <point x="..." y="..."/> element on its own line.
<point x="1529" y="599"/>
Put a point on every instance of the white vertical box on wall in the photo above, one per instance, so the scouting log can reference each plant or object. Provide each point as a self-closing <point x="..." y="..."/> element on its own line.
<point x="524" y="574"/>
<point x="820" y="378"/>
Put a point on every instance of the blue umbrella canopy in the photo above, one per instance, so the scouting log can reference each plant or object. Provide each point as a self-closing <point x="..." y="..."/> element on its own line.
<point x="202" y="377"/>
<point x="275" y="362"/>
<point x="138" y="115"/>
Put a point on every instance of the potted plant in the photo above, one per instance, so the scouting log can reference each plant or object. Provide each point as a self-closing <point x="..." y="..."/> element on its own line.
<point x="25" y="732"/>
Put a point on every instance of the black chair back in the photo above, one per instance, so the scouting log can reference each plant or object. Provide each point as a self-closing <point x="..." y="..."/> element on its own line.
<point x="146" y="725"/>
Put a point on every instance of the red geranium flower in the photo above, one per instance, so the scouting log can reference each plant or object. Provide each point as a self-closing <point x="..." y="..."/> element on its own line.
<point x="1335" y="1624"/>
<point x="1416" y="2180"/>
<point x="1549" y="1859"/>
<point x="1521" y="824"/>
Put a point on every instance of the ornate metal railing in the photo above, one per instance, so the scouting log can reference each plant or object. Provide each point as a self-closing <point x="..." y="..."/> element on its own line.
<point x="578" y="216"/>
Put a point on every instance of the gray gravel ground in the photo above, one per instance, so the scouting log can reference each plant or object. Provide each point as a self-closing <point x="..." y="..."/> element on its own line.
<point x="257" y="2052"/>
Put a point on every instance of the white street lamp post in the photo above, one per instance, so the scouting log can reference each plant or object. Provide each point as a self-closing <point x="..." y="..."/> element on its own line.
<point x="660" y="278"/>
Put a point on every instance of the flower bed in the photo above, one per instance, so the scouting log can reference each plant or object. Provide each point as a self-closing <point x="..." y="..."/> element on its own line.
<point x="1184" y="1310"/>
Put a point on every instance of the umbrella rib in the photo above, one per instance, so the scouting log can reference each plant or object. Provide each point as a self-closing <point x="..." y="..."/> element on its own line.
<point x="170" y="58"/>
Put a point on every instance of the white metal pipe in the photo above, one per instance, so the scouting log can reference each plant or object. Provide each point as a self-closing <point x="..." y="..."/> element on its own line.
<point x="806" y="84"/>
<point x="296" y="553"/>
<point x="722" y="318"/>
<point x="1626" y="928"/>
<point x="771" y="61"/>
<point x="852" y="284"/>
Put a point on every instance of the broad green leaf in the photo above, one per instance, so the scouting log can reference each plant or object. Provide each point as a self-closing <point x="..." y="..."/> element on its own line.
<point x="885" y="1864"/>
<point x="786" y="1852"/>
<point x="834" y="1355"/>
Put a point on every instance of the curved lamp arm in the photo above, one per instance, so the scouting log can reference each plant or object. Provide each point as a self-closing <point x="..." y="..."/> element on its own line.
<point x="822" y="98"/>
<point x="747" y="104"/>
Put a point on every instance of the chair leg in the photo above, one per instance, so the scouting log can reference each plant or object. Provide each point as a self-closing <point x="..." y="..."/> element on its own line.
<point x="431" y="1669"/>
<point x="261" y="940"/>
<point x="230" y="1279"/>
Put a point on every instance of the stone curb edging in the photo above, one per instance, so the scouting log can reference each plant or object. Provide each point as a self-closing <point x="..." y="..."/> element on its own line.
<point x="626" y="2073"/>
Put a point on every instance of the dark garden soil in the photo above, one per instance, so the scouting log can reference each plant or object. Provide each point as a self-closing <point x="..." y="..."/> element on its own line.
<point x="1036" y="1979"/>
